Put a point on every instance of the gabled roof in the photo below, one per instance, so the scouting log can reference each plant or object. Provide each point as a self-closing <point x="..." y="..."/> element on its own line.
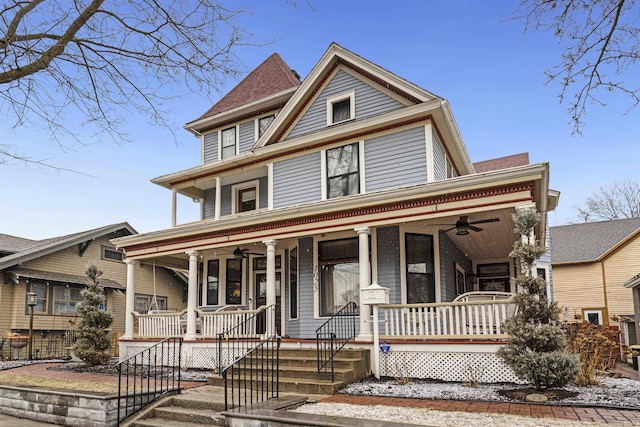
<point x="514" y="160"/>
<point x="590" y="242"/>
<point x="334" y="56"/>
<point x="271" y="77"/>
<point x="48" y="246"/>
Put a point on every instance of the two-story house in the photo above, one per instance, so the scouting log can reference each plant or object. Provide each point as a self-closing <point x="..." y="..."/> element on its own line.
<point x="313" y="190"/>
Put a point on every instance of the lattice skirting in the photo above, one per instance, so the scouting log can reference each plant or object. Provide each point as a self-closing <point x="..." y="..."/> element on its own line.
<point x="199" y="356"/>
<point x="483" y="367"/>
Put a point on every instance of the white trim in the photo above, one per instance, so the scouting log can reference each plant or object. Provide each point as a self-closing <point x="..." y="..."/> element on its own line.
<point x="269" y="186"/>
<point x="257" y="125"/>
<point x="323" y="174"/>
<point x="242" y="186"/>
<point x="586" y="313"/>
<point x="351" y="96"/>
<point x="201" y="149"/>
<point x="403" y="260"/>
<point x="428" y="140"/>
<point x="363" y="187"/>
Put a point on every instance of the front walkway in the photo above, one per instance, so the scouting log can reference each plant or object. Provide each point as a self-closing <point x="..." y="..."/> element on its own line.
<point x="600" y="415"/>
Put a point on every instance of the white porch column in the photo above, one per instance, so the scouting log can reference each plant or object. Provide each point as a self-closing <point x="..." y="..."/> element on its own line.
<point x="271" y="285"/>
<point x="192" y="295"/>
<point x="218" y="198"/>
<point x="363" y="262"/>
<point x="130" y="302"/>
<point x="174" y="207"/>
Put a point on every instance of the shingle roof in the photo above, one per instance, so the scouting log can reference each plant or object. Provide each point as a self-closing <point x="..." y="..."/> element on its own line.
<point x="271" y="77"/>
<point x="13" y="244"/>
<point x="589" y="241"/>
<point x="47" y="246"/>
<point x="514" y="160"/>
<point x="62" y="277"/>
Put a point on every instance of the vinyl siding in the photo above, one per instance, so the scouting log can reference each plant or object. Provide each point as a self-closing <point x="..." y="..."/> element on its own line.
<point x="388" y="262"/>
<point x="439" y="159"/>
<point x="307" y="324"/>
<point x="622" y="265"/>
<point x="578" y="286"/>
<point x="297" y="181"/>
<point x="449" y="255"/>
<point x="247" y="136"/>
<point x="368" y="102"/>
<point x="210" y="148"/>
<point x="395" y="160"/>
<point x="68" y="261"/>
<point x="292" y="327"/>
<point x="209" y="203"/>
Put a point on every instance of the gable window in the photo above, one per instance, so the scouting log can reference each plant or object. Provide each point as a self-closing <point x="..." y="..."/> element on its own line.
<point x="421" y="285"/>
<point x="263" y="124"/>
<point x="343" y="171"/>
<point x="341" y="108"/>
<point x="339" y="274"/>
<point x="451" y="173"/>
<point x="245" y="196"/>
<point x="228" y="148"/>
<point x="111" y="254"/>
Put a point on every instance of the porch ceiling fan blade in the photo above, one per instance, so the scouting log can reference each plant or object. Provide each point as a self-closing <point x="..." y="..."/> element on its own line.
<point x="484" y="221"/>
<point x="474" y="228"/>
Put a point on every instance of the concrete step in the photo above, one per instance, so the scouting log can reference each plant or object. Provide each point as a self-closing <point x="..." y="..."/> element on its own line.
<point x="189" y="415"/>
<point x="162" y="422"/>
<point x="294" y="385"/>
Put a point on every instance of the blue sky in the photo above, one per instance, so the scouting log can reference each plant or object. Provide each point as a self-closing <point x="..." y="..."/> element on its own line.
<point x="469" y="52"/>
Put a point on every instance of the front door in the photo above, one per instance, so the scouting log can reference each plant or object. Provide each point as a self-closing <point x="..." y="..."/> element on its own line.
<point x="261" y="298"/>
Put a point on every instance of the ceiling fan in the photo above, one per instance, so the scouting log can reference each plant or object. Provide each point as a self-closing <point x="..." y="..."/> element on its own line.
<point x="239" y="253"/>
<point x="462" y="226"/>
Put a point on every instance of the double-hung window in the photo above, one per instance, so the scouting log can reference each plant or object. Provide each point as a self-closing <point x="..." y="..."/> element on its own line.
<point x="245" y="196"/>
<point x="421" y="285"/>
<point x="229" y="139"/>
<point x="339" y="274"/>
<point x="343" y="171"/>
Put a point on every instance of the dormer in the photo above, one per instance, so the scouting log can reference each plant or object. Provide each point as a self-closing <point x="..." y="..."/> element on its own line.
<point x="234" y="124"/>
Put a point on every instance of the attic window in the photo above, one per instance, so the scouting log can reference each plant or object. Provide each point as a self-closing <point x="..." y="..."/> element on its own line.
<point x="229" y="140"/>
<point x="263" y="124"/>
<point x="111" y="254"/>
<point x="341" y="108"/>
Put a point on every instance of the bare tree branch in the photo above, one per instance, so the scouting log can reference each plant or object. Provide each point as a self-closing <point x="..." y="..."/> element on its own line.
<point x="600" y="42"/>
<point x="622" y="200"/>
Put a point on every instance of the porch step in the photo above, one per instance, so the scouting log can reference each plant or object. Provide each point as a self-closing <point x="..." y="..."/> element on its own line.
<point x="298" y="371"/>
<point x="184" y="410"/>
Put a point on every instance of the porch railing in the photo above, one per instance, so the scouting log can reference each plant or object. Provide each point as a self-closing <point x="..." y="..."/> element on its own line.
<point x="470" y="319"/>
<point x="333" y="334"/>
<point x="212" y="324"/>
<point x="148" y="375"/>
<point x="160" y="325"/>
<point x="249" y="362"/>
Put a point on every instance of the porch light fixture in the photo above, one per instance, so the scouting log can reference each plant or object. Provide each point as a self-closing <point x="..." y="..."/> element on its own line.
<point x="462" y="230"/>
<point x="31" y="302"/>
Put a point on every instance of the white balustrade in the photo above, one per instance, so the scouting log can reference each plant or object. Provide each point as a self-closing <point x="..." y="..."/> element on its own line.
<point x="159" y="324"/>
<point x="468" y="319"/>
<point x="229" y="319"/>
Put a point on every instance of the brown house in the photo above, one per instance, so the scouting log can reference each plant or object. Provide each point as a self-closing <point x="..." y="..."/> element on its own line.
<point x="54" y="269"/>
<point x="591" y="262"/>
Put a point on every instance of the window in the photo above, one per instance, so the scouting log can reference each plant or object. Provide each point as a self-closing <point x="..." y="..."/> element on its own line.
<point x="245" y="196"/>
<point x="213" y="281"/>
<point x="234" y="282"/>
<point x="341" y="108"/>
<point x="228" y="143"/>
<point x="451" y="173"/>
<point x="65" y="299"/>
<point x="593" y="316"/>
<point x="339" y="274"/>
<point x="144" y="303"/>
<point x="111" y="254"/>
<point x="343" y="175"/>
<point x="247" y="199"/>
<point x="263" y="124"/>
<point x="293" y="283"/>
<point x="421" y="286"/>
<point x="41" y="291"/>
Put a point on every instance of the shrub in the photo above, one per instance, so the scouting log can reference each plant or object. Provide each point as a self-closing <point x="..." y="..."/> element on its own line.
<point x="596" y="347"/>
<point x="92" y="336"/>
<point x="536" y="348"/>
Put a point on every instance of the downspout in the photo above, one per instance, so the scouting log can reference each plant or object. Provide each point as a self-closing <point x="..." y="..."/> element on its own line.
<point x="605" y="321"/>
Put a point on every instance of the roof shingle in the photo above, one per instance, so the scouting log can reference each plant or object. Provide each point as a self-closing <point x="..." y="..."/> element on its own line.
<point x="514" y="160"/>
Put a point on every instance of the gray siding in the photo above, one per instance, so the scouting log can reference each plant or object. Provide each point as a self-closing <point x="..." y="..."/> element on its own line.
<point x="247" y="136"/>
<point x="369" y="102"/>
<point x="449" y="255"/>
<point x="388" y="262"/>
<point x="297" y="181"/>
<point x="395" y="160"/>
<point x="210" y="149"/>
<point x="307" y="325"/>
<point x="210" y="203"/>
<point x="439" y="159"/>
<point x="225" y="200"/>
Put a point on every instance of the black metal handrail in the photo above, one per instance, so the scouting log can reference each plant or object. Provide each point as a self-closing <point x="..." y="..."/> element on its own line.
<point x="248" y="362"/>
<point x="334" y="334"/>
<point x="148" y="375"/>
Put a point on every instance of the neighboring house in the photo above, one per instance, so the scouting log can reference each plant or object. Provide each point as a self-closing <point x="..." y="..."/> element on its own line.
<point x="634" y="326"/>
<point x="313" y="190"/>
<point x="54" y="269"/>
<point x="591" y="262"/>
